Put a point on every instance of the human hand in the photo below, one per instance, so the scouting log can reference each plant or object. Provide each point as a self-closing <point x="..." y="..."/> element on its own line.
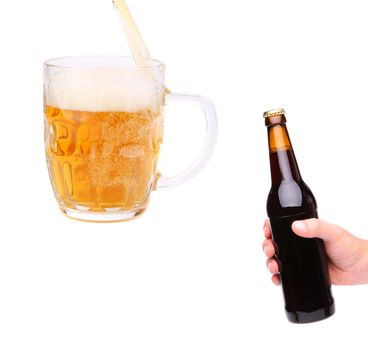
<point x="347" y="254"/>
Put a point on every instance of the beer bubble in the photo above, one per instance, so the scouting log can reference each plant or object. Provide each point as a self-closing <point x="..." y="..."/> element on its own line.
<point x="99" y="90"/>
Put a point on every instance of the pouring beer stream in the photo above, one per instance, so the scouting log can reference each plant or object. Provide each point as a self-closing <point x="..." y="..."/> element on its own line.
<point x="139" y="49"/>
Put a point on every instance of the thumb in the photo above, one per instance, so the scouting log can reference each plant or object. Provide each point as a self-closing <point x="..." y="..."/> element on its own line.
<point x="318" y="228"/>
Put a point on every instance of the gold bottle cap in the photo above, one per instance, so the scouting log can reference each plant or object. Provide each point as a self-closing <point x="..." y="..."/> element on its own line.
<point x="274" y="113"/>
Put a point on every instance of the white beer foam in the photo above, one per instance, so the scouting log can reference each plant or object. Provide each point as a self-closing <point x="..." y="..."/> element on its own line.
<point x="102" y="89"/>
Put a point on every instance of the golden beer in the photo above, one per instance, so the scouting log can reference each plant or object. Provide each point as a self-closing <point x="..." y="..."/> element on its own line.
<point x="103" y="132"/>
<point x="102" y="160"/>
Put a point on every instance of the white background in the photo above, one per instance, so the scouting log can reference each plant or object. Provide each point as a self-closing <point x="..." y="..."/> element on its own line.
<point x="190" y="273"/>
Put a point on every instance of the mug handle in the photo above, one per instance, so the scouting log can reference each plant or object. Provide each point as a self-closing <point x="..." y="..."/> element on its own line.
<point x="211" y="122"/>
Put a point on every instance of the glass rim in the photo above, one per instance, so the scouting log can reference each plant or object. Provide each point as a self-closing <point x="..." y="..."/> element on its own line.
<point x="56" y="62"/>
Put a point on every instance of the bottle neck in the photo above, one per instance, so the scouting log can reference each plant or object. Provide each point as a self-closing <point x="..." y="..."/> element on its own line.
<point x="284" y="166"/>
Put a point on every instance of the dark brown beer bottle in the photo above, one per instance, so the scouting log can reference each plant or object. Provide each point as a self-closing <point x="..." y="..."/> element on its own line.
<point x="303" y="261"/>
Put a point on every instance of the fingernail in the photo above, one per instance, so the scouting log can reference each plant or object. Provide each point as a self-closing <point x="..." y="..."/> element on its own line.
<point x="299" y="226"/>
<point x="265" y="250"/>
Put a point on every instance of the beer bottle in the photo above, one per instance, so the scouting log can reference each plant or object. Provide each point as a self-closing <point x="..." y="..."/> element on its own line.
<point x="302" y="261"/>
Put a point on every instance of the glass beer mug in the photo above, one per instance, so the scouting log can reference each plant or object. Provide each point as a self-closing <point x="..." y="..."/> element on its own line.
<point x="103" y="132"/>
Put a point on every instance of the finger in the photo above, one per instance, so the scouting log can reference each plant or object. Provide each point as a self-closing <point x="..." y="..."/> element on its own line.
<point x="318" y="228"/>
<point x="273" y="266"/>
<point x="267" y="229"/>
<point x="276" y="279"/>
<point x="269" y="248"/>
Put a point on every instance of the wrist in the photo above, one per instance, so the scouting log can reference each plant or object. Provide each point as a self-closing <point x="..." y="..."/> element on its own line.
<point x="364" y="260"/>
